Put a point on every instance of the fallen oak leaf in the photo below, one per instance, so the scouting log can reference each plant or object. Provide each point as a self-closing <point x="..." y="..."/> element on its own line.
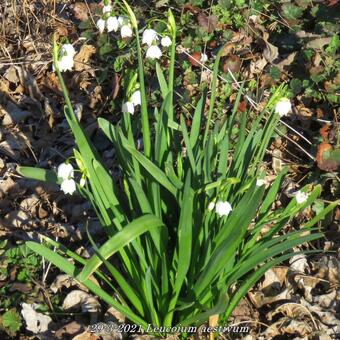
<point x="83" y="57"/>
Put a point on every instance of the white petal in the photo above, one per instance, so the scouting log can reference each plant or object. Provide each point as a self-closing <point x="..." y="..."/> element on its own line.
<point x="82" y="182"/>
<point x="283" y="106"/>
<point x="204" y="58"/>
<point x="67" y="50"/>
<point x="107" y="9"/>
<point x="223" y="208"/>
<point x="121" y="20"/>
<point x="149" y="36"/>
<point x="65" y="63"/>
<point x="126" y="31"/>
<point x="136" y="98"/>
<point x="153" y="52"/>
<point x="166" y="41"/>
<point x="65" y="171"/>
<point x="112" y="24"/>
<point x="101" y="25"/>
<point x="68" y="186"/>
<point x="128" y="107"/>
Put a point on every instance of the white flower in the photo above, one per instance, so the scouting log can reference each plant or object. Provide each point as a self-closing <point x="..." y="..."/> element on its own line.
<point x="211" y="206"/>
<point x="301" y="197"/>
<point x="223" y="208"/>
<point x="121" y="20"/>
<point x="65" y="171"/>
<point x="67" y="50"/>
<point x="82" y="182"/>
<point x="260" y="182"/>
<point x="153" y="52"/>
<point x="283" y="106"/>
<point x="149" y="36"/>
<point x="107" y="9"/>
<point x="128" y="107"/>
<point x="112" y="24"/>
<point x="101" y="25"/>
<point x="204" y="58"/>
<point x="166" y="41"/>
<point x="65" y="63"/>
<point x="136" y="98"/>
<point x="126" y="31"/>
<point x="68" y="186"/>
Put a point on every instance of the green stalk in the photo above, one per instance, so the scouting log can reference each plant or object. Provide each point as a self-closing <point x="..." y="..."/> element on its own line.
<point x="172" y="29"/>
<point x="213" y="93"/>
<point x="144" y="106"/>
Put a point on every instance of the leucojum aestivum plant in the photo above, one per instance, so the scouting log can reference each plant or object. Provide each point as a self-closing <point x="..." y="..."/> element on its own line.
<point x="191" y="220"/>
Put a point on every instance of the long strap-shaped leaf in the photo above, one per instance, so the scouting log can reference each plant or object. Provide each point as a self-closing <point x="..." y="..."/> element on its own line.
<point x="118" y="241"/>
<point x="151" y="168"/>
<point x="185" y="245"/>
<point x="70" y="269"/>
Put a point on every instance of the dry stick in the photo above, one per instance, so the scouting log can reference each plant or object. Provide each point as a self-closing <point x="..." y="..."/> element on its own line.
<point x="291" y="140"/>
<point x="303" y="307"/>
<point x="88" y="8"/>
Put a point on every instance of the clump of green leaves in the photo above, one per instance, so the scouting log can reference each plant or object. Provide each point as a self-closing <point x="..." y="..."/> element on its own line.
<point x="182" y="259"/>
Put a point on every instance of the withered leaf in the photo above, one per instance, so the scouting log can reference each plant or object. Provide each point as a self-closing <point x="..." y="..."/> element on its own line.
<point x="208" y="23"/>
<point x="80" y="11"/>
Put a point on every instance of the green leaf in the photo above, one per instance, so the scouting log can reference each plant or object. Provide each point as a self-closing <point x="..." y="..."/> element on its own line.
<point x="118" y="241"/>
<point x="38" y="174"/>
<point x="184" y="245"/>
<point x="68" y="268"/>
<point x="12" y="321"/>
<point x="153" y="169"/>
<point x="161" y="80"/>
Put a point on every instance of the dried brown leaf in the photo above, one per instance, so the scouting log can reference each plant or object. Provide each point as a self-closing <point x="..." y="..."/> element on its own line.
<point x="208" y="23"/>
<point x="80" y="11"/>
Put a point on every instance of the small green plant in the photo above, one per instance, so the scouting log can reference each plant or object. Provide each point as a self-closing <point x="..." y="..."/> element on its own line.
<point x="11" y="322"/>
<point x="190" y="220"/>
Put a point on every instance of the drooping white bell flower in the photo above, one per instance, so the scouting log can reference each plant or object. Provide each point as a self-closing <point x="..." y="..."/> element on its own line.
<point x="260" y="182"/>
<point x="149" y="36"/>
<point x="283" y="106"/>
<point x="112" y="24"/>
<point x="107" y="9"/>
<point x="128" y="107"/>
<point x="101" y="25"/>
<point x="68" y="186"/>
<point x="65" y="171"/>
<point x="126" y="31"/>
<point x="121" y="20"/>
<point x="82" y="182"/>
<point x="136" y="98"/>
<point x="65" y="63"/>
<point x="203" y="58"/>
<point x="166" y="41"/>
<point x="211" y="206"/>
<point x="223" y="208"/>
<point x="153" y="52"/>
<point x="301" y="197"/>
